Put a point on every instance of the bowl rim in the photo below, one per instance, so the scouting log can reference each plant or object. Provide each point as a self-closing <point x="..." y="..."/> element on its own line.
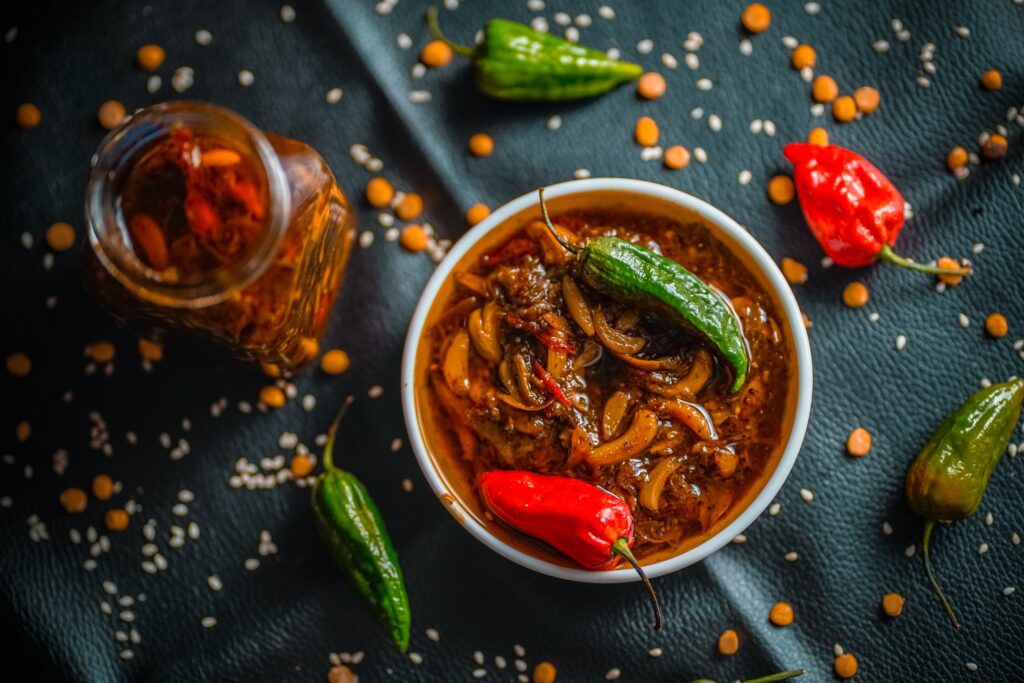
<point x="717" y="220"/>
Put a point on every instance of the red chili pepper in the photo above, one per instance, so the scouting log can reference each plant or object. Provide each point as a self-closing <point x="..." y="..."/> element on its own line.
<point x="583" y="521"/>
<point x="540" y="332"/>
<point x="550" y="384"/>
<point x="202" y="217"/>
<point x="854" y="211"/>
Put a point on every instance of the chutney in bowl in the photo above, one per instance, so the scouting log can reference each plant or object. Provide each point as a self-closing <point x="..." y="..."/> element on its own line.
<point x="513" y="362"/>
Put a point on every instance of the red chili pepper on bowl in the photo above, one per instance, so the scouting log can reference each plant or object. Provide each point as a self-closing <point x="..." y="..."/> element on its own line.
<point x="583" y="521"/>
<point x="853" y="209"/>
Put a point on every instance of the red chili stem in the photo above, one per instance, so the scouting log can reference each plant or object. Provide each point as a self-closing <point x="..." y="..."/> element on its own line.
<point x="887" y="254"/>
<point x="621" y="548"/>
<point x="550" y="384"/>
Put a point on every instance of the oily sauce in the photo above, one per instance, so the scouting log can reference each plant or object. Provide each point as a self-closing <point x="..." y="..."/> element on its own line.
<point x="511" y="323"/>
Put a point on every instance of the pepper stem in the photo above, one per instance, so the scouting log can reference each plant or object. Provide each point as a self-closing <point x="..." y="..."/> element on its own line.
<point x="928" y="526"/>
<point x="435" y="30"/>
<point x="554" y="233"/>
<point x="332" y="432"/>
<point x="621" y="547"/>
<point x="891" y="256"/>
<point x="781" y="676"/>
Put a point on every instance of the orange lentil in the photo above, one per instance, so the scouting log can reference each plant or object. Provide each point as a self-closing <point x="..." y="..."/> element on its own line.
<point x="824" y="89"/>
<point x="310" y="347"/>
<point x="992" y="80"/>
<point x="19" y="364"/>
<point x="414" y="238"/>
<point x="858" y="443"/>
<point x="151" y="350"/>
<point x="781" y="190"/>
<point x="379" y="192"/>
<point x="957" y="158"/>
<point x="844" y="109"/>
<point x="994" y="147"/>
<point x="102" y="487"/>
<point x="116" y="519"/>
<point x="803" y="56"/>
<point x="646" y="131"/>
<point x="781" y="614"/>
<point x="846" y="665"/>
<point x="728" y="642"/>
<point x="794" y="271"/>
<point x="676" y="157"/>
<point x="477" y="213"/>
<point x="272" y="396"/>
<point x="481" y="145"/>
<point x="341" y="674"/>
<point x="855" y="295"/>
<point x="73" y="500"/>
<point x="949" y="279"/>
<point x="60" y="236"/>
<point x="220" y="158"/>
<point x="271" y="369"/>
<point x="301" y="465"/>
<point x="996" y="325"/>
<point x="150" y="57"/>
<point x="756" y="18"/>
<point x="410" y="207"/>
<point x="436" y="54"/>
<point x="818" y="136"/>
<point x="867" y="99"/>
<point x="892" y="604"/>
<point x="651" y="85"/>
<point x="23" y="431"/>
<point x="27" y="116"/>
<point x="101" y="352"/>
<point x="111" y="114"/>
<point x="334" y="362"/>
<point x="545" y="672"/>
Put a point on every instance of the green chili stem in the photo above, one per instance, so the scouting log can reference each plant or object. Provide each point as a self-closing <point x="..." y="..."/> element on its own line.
<point x="928" y="526"/>
<point x="781" y="676"/>
<point x="891" y="256"/>
<point x="329" y="446"/>
<point x="435" y="30"/>
<point x="621" y="547"/>
<point x="554" y="233"/>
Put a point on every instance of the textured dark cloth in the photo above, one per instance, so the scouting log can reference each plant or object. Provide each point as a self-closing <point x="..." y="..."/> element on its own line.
<point x="279" y="622"/>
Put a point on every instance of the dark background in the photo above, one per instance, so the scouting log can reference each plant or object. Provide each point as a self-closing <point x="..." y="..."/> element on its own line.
<point x="280" y="622"/>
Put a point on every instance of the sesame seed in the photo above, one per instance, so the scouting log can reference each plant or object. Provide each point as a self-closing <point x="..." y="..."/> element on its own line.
<point x="983" y="548"/>
<point x="562" y="19"/>
<point x="333" y="96"/>
<point x="791" y="556"/>
<point x="127" y="654"/>
<point x="365" y="239"/>
<point x="415" y="658"/>
<point x="756" y="126"/>
<point x="539" y="24"/>
<point x="696" y="113"/>
<point x="519" y="664"/>
<point x="715" y="123"/>
<point x="203" y="37"/>
<point x="612" y="675"/>
<point x="606" y="12"/>
<point x="881" y="46"/>
<point x="669" y="60"/>
<point x="971" y="666"/>
<point x="535" y="5"/>
<point x="700" y="155"/>
<point x="433" y="635"/>
<point x="775" y="509"/>
<point x="817" y="109"/>
<point x="769" y="128"/>
<point x="478" y="657"/>
<point x="645" y="46"/>
<point x="807" y="495"/>
<point x="581" y="173"/>
<point x="989" y="519"/>
<point x="963" y="320"/>
<point x="396" y="445"/>
<point x="214" y="583"/>
<point x="692" y="61"/>
<point x="910" y="550"/>
<point x="245" y="78"/>
<point x="376" y="391"/>
<point x="252" y="564"/>
<point x="901" y="342"/>
<point x="874" y="316"/>
<point x="745" y="177"/>
<point x="419" y="96"/>
<point x="655" y="652"/>
<point x="109" y="588"/>
<point x="740" y="538"/>
<point x="705" y="84"/>
<point x="209" y="622"/>
<point x="407" y="485"/>
<point x="572" y="34"/>
<point x="746" y="47"/>
<point x="837" y="650"/>
<point x="479" y="673"/>
<point x="1015" y="538"/>
<point x="180" y="509"/>
<point x="554" y="123"/>
<point x="1009" y="590"/>
<point x="812" y="8"/>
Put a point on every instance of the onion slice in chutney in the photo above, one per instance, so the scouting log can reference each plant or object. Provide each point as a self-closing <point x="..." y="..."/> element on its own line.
<point x="650" y="493"/>
<point x="617" y="342"/>
<point x="633" y="442"/>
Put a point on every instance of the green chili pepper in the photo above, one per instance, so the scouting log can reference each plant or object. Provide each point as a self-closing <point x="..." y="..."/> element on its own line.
<point x="771" y="678"/>
<point x="352" y="528"/>
<point x="947" y="480"/>
<point x="637" y="276"/>
<point x="514" y="62"/>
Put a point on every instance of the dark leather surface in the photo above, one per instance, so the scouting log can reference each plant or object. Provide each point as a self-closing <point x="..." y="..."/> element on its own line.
<point x="279" y="622"/>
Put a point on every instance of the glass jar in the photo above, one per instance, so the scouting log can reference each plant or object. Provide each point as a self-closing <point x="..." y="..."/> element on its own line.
<point x="200" y="222"/>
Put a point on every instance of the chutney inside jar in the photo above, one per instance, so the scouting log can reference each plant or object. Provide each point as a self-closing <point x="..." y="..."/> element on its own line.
<point x="515" y="315"/>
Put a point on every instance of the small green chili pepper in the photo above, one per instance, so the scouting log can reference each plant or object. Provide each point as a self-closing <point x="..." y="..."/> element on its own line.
<point x="771" y="678"/>
<point x="352" y="528"/>
<point x="637" y="276"/>
<point x="947" y="480"/>
<point x="515" y="62"/>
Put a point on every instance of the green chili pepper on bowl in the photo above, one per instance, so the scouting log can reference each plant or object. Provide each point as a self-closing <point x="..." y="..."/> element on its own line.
<point x="947" y="480"/>
<point x="635" y="275"/>
<point x="515" y="62"/>
<point x="354" y="532"/>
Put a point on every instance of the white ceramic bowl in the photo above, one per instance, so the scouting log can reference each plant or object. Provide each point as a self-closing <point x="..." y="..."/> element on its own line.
<point x="726" y="229"/>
